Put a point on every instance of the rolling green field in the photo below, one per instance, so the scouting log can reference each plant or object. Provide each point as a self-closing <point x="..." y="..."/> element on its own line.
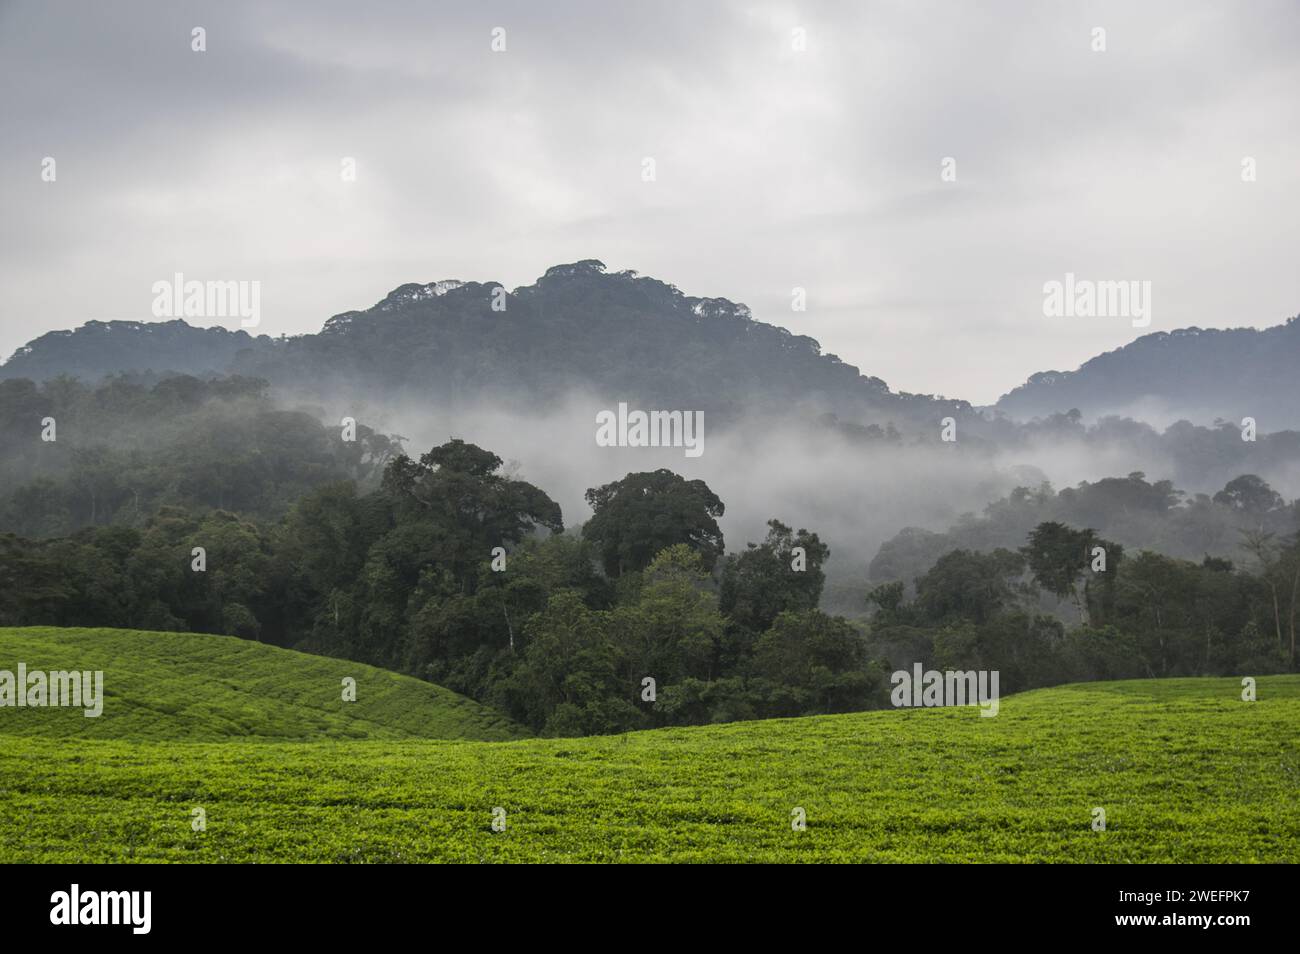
<point x="184" y="686"/>
<point x="1184" y="769"/>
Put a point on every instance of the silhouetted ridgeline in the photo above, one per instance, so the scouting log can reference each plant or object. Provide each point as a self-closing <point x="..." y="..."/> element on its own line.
<point x="617" y="336"/>
<point x="621" y="336"/>
<point x="1192" y="373"/>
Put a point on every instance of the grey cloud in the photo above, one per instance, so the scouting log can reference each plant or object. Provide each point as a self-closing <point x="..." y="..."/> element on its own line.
<point x="775" y="170"/>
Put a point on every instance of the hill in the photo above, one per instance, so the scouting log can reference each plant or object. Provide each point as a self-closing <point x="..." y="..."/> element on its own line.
<point x="623" y="336"/>
<point x="1193" y="374"/>
<point x="193" y="687"/>
<point x="98" y="348"/>
<point x="1184" y="769"/>
<point x="615" y="336"/>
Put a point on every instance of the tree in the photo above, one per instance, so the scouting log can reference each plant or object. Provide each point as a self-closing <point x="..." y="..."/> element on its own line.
<point x="1262" y="546"/>
<point x="814" y="663"/>
<point x="1249" y="494"/>
<point x="1057" y="555"/>
<point x="769" y="578"/>
<point x="1291" y="562"/>
<point x="966" y="585"/>
<point x="636" y="517"/>
<point x="237" y="561"/>
<point x="673" y="630"/>
<point x="568" y="681"/>
<point x="456" y="492"/>
<point x="888" y="599"/>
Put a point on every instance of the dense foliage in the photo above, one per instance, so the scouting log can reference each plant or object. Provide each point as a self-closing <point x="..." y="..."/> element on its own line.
<point x="74" y="455"/>
<point x="578" y="327"/>
<point x="1133" y="511"/>
<point x="450" y="570"/>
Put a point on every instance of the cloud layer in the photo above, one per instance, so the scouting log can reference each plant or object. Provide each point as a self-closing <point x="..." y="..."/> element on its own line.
<point x="775" y="168"/>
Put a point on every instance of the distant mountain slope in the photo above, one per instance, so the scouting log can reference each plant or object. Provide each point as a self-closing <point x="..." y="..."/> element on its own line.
<point x="1193" y="373"/>
<point x="197" y="688"/>
<point x="615" y="336"/>
<point x="103" y="347"/>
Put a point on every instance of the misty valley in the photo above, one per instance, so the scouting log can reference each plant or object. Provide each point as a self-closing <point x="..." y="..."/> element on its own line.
<point x="514" y="556"/>
<point x="917" y="484"/>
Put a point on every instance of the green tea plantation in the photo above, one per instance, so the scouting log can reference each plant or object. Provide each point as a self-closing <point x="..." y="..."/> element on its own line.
<point x="211" y="749"/>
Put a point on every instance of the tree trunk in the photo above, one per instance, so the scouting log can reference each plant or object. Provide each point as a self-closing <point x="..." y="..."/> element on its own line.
<point x="1277" y="617"/>
<point x="1295" y="588"/>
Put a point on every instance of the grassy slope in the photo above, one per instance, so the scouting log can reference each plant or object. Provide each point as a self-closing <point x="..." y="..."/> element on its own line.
<point x="1184" y="769"/>
<point x="182" y="686"/>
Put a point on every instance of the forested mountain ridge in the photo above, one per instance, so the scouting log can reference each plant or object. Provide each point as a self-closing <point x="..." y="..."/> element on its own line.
<point x="1196" y="374"/>
<point x="100" y="348"/>
<point x="617" y="336"/>
<point x="622" y="336"/>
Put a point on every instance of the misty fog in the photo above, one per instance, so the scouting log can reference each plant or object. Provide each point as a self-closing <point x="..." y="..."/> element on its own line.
<point x="855" y="495"/>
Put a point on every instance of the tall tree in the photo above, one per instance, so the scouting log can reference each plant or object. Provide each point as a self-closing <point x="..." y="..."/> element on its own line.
<point x="471" y="508"/>
<point x="782" y="573"/>
<point x="635" y="518"/>
<point x="1249" y="494"/>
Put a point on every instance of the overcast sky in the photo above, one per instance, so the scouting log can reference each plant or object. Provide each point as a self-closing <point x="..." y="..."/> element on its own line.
<point x="775" y="168"/>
